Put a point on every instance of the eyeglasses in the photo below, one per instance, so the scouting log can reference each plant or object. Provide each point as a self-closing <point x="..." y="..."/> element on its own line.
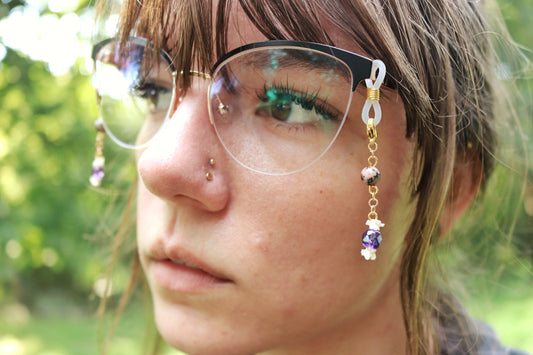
<point x="276" y="106"/>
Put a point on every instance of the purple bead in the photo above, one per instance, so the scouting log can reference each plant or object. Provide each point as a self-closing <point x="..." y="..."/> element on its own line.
<point x="372" y="239"/>
<point x="98" y="173"/>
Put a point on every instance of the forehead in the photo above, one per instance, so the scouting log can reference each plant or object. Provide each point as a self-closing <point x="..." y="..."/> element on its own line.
<point x="241" y="30"/>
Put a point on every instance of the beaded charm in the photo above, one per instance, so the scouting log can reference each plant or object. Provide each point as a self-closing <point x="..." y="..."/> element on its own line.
<point x="370" y="175"/>
<point x="98" y="173"/>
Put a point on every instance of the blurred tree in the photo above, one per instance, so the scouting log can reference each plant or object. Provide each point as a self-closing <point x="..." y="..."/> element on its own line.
<point x="46" y="147"/>
<point x="517" y="15"/>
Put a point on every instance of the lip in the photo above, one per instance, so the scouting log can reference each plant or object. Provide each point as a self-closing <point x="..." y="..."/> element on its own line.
<point x="178" y="270"/>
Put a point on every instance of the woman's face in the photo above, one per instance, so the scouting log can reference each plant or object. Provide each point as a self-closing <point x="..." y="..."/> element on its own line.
<point x="247" y="262"/>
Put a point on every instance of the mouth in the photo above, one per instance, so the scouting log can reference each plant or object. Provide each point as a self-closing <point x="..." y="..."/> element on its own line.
<point x="178" y="270"/>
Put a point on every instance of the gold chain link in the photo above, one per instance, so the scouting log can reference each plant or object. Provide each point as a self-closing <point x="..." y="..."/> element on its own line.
<point x="100" y="143"/>
<point x="372" y="161"/>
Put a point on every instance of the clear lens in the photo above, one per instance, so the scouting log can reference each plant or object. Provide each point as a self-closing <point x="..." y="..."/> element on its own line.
<point x="277" y="110"/>
<point x="134" y="101"/>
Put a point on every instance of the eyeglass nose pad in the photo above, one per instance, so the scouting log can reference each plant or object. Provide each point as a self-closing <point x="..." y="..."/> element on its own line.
<point x="222" y="108"/>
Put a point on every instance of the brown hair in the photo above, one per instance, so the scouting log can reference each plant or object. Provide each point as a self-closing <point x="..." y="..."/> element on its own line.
<point x="439" y="59"/>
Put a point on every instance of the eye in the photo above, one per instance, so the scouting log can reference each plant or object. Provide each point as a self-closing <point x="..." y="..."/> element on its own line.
<point x="289" y="105"/>
<point x="159" y="96"/>
<point x="278" y="105"/>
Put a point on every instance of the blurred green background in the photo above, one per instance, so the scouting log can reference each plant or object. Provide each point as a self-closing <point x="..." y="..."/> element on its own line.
<point x="53" y="237"/>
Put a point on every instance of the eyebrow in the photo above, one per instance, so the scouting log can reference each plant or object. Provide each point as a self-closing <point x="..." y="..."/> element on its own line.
<point x="298" y="59"/>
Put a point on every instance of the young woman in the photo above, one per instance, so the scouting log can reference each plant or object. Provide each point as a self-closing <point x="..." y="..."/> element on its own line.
<point x="262" y="129"/>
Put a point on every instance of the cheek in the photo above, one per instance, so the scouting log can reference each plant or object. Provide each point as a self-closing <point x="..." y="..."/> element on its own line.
<point x="154" y="216"/>
<point x="146" y="217"/>
<point x="304" y="249"/>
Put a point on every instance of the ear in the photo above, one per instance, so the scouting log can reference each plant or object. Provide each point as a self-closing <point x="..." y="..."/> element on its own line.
<point x="466" y="180"/>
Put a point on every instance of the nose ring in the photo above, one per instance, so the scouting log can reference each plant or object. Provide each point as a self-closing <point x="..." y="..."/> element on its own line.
<point x="209" y="175"/>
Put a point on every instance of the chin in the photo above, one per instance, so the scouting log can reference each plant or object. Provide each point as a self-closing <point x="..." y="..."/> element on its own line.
<point x="193" y="333"/>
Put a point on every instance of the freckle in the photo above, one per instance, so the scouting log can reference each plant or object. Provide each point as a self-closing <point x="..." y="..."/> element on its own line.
<point x="321" y="192"/>
<point x="288" y="312"/>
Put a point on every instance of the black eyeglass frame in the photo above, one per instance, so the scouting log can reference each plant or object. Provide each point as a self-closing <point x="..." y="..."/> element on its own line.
<point x="360" y="66"/>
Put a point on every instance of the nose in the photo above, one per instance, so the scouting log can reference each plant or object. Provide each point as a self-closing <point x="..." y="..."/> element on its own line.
<point x="183" y="163"/>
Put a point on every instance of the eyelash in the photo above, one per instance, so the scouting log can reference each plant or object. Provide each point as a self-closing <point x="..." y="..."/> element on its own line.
<point x="149" y="90"/>
<point x="308" y="101"/>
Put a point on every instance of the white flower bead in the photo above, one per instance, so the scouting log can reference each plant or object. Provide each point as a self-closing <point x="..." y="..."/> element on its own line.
<point x="98" y="162"/>
<point x="375" y="224"/>
<point x="95" y="181"/>
<point x="368" y="254"/>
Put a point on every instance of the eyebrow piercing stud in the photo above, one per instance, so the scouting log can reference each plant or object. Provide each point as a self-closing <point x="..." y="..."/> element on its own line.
<point x="209" y="175"/>
<point x="370" y="175"/>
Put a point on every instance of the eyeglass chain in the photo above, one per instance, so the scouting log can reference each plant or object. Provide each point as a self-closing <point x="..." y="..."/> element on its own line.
<point x="371" y="175"/>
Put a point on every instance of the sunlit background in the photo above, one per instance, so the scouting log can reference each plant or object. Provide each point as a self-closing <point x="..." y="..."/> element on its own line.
<point x="52" y="238"/>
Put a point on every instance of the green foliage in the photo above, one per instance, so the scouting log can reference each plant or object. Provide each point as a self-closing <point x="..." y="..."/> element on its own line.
<point x="75" y="335"/>
<point x="46" y="207"/>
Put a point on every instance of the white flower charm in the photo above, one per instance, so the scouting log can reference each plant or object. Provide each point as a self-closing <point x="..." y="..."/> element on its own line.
<point x="369" y="254"/>
<point x="375" y="224"/>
